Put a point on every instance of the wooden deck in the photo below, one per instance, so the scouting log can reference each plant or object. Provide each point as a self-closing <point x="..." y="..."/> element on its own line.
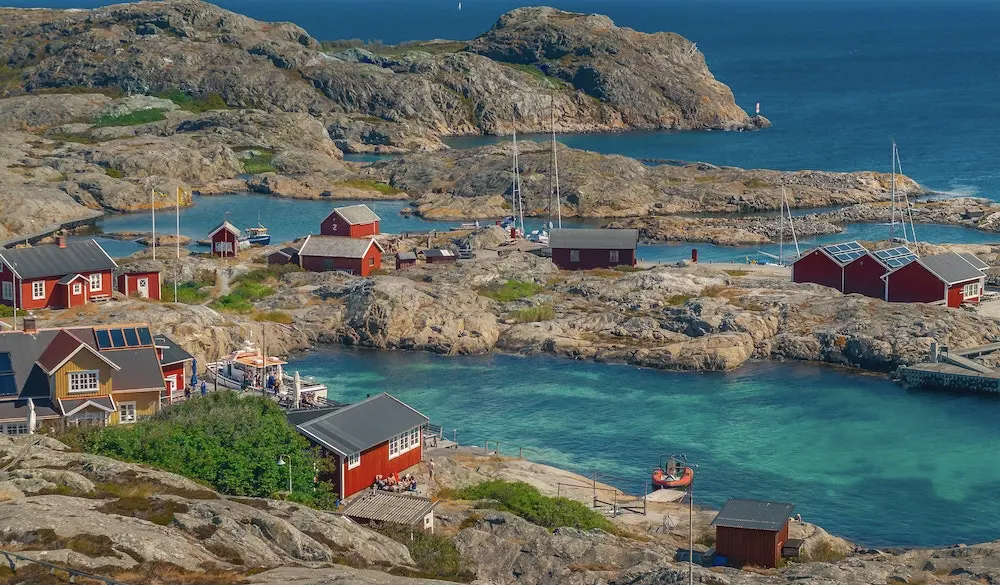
<point x="976" y="351"/>
<point x="665" y="496"/>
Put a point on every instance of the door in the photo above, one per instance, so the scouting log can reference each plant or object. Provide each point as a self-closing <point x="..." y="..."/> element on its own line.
<point x="171" y="384"/>
<point x="142" y="285"/>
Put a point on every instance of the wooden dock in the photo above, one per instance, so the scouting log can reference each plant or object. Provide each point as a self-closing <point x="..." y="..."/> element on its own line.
<point x="665" y="496"/>
<point x="953" y="370"/>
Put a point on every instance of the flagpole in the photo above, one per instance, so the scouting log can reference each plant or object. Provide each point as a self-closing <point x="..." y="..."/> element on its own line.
<point x="177" y="242"/>
<point x="152" y="209"/>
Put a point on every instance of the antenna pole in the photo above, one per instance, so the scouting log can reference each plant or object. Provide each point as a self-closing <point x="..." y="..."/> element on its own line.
<point x="892" y="209"/>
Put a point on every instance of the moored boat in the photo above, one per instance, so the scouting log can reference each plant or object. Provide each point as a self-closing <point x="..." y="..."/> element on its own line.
<point x="257" y="236"/>
<point x="248" y="369"/>
<point x="678" y="474"/>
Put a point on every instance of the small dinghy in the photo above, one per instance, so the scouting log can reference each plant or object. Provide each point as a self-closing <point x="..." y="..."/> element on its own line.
<point x="678" y="474"/>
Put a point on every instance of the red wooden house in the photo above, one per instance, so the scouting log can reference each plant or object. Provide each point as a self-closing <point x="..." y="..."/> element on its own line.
<point x="174" y="362"/>
<point x="353" y="221"/>
<point x="145" y="284"/>
<point x="57" y="276"/>
<point x="863" y="275"/>
<point x="585" y="249"/>
<point x="225" y="240"/>
<point x="440" y="256"/>
<point x="380" y="435"/>
<point x="358" y="256"/>
<point x="405" y="260"/>
<point x="752" y="532"/>
<point x="946" y="278"/>
<point x="825" y="265"/>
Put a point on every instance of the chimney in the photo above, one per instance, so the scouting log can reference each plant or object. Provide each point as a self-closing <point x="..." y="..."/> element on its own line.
<point x="30" y="324"/>
<point x="61" y="241"/>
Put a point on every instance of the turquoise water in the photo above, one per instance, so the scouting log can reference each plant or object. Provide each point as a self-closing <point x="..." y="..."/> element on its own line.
<point x="858" y="455"/>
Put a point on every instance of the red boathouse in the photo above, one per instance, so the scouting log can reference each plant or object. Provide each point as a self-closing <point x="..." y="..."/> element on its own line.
<point x="947" y="278"/>
<point x="864" y="275"/>
<point x="358" y="256"/>
<point x="752" y="532"/>
<point x="380" y="435"/>
<point x="225" y="240"/>
<point x="586" y="249"/>
<point x="825" y="265"/>
<point x="353" y="221"/>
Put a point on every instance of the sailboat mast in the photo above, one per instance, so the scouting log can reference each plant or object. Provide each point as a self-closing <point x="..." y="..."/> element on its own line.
<point x="791" y="224"/>
<point x="517" y="196"/>
<point x="892" y="209"/>
<point x="781" y="229"/>
<point x="906" y="198"/>
<point x="555" y="160"/>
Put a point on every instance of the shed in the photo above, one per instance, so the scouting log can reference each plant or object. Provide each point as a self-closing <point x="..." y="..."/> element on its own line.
<point x="947" y="278"/>
<point x="381" y="506"/>
<point x="864" y="274"/>
<point x="585" y="249"/>
<point x="287" y="255"/>
<point x="825" y="265"/>
<point x="354" y="255"/>
<point x="225" y="240"/>
<point x="439" y="256"/>
<point x="405" y="260"/>
<point x="352" y="221"/>
<point x="752" y="532"/>
<point x="145" y="284"/>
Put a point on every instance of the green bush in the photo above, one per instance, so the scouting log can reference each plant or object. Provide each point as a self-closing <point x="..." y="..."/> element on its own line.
<point x="189" y="293"/>
<point x="230" y="442"/>
<point x="511" y="290"/>
<point x="132" y="118"/>
<point x="371" y="185"/>
<point x="434" y="556"/>
<point x="533" y="314"/>
<point x="114" y="173"/>
<point x="527" y="502"/>
<point x="259" y="163"/>
<point x="196" y="104"/>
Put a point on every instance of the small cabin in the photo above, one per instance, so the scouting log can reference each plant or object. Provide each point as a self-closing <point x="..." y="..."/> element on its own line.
<point x="752" y="532"/>
<point x="825" y="265"/>
<point x="405" y="260"/>
<point x="176" y="364"/>
<point x="225" y="239"/>
<point x="439" y="256"/>
<point x="353" y="221"/>
<point x="864" y="274"/>
<point x="950" y="279"/>
<point x="586" y="249"/>
<point x="286" y="255"/>
<point x="358" y="256"/>
<point x="145" y="284"/>
<point x="377" y="507"/>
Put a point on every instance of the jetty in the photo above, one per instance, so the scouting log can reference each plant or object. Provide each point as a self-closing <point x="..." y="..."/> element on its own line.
<point x="954" y="370"/>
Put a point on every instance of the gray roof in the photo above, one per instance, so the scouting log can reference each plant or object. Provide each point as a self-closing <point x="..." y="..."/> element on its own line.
<point x="382" y="506"/>
<point x="357" y="214"/>
<point x="440" y="253"/>
<point x="754" y="515"/>
<point x="51" y="260"/>
<point x="951" y="268"/>
<point x="18" y="409"/>
<point x="974" y="260"/>
<point x="140" y="366"/>
<point x="172" y="353"/>
<point x="228" y="226"/>
<point x="594" y="239"/>
<point x="337" y="246"/>
<point x="406" y="256"/>
<point x="302" y="415"/>
<point x="287" y="251"/>
<point x="362" y="425"/>
<point x="25" y="350"/>
<point x="71" y="404"/>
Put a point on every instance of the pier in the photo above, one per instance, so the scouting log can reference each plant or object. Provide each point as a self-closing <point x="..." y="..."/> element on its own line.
<point x="954" y="370"/>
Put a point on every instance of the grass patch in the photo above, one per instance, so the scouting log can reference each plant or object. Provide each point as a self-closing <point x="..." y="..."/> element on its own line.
<point x="155" y="510"/>
<point x="273" y="317"/>
<point x="604" y="273"/>
<point x="241" y="299"/>
<point x="86" y="544"/>
<point x="434" y="555"/>
<point x="712" y="291"/>
<point x="272" y="272"/>
<point x="678" y="300"/>
<point x="757" y="184"/>
<point x="370" y="185"/>
<point x="537" y="73"/>
<point x="114" y="173"/>
<point x="627" y="268"/>
<point x="511" y="290"/>
<point x="136" y="118"/>
<point x="527" y="502"/>
<point x="225" y="553"/>
<point x="197" y="104"/>
<point x="189" y="293"/>
<point x="10" y="77"/>
<point x="259" y="163"/>
<point x="533" y="314"/>
<point x="76" y="137"/>
<point x="823" y="552"/>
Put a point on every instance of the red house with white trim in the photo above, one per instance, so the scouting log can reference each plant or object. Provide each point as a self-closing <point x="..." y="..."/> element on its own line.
<point x="144" y="284"/>
<point x="353" y="221"/>
<point x="586" y="249"/>
<point x="225" y="240"/>
<point x="57" y="276"/>
<point x="359" y="256"/>
<point x="825" y="265"/>
<point x="174" y="364"/>
<point x="948" y="278"/>
<point x="380" y="435"/>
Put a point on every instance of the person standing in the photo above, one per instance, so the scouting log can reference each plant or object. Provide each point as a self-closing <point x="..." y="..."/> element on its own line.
<point x="204" y="388"/>
<point x="430" y="465"/>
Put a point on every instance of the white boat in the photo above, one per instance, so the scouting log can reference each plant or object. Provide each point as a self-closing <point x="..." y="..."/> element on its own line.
<point x="249" y="369"/>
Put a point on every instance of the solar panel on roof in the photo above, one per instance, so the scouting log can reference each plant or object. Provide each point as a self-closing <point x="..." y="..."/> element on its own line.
<point x="103" y="339"/>
<point x="117" y="337"/>
<point x="845" y="252"/>
<point x="131" y="338"/>
<point x="8" y="386"/>
<point x="5" y="365"/>
<point x="144" y="337"/>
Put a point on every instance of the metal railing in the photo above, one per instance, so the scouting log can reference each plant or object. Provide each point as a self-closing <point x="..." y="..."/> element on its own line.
<point x="520" y="450"/>
<point x="12" y="558"/>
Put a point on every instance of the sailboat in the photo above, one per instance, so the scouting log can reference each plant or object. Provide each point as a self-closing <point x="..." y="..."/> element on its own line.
<point x="785" y="208"/>
<point x="515" y="223"/>
<point x="542" y="236"/>
<point x="904" y="213"/>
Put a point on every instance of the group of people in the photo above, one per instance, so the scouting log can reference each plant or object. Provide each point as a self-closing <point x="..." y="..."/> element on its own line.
<point x="190" y="388"/>
<point x="394" y="483"/>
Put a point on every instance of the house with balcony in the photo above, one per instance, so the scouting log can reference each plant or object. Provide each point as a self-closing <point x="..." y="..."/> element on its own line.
<point x="75" y="376"/>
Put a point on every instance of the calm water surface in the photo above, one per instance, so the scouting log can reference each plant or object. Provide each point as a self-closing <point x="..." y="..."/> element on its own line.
<point x="859" y="455"/>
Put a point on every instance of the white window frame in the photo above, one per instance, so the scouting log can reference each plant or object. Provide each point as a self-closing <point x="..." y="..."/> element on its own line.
<point x="38" y="292"/>
<point x="123" y="408"/>
<point x="612" y="255"/>
<point x="970" y="291"/>
<point x="8" y="291"/>
<point x="224" y="247"/>
<point x="83" y="417"/>
<point x="77" y="288"/>
<point x="98" y="284"/>
<point x="15" y="428"/>
<point x="414" y="438"/>
<point x="404" y="442"/>
<point x="574" y="255"/>
<point x="90" y="385"/>
<point x="354" y="461"/>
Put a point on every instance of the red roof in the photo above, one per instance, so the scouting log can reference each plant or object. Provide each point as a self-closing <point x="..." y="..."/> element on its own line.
<point x="62" y="346"/>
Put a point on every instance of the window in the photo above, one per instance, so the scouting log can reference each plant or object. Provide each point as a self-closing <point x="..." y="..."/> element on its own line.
<point x="8" y="291"/>
<point x="574" y="255"/>
<point x="126" y="412"/>
<point x="77" y="288"/>
<point x="88" y="419"/>
<point x="971" y="290"/>
<point x="328" y="263"/>
<point x="14" y="429"/>
<point x="96" y="282"/>
<point x="224" y="247"/>
<point x="38" y="289"/>
<point x="404" y="442"/>
<point x="84" y="382"/>
<point x="354" y="461"/>
<point x="371" y="262"/>
<point x="613" y="256"/>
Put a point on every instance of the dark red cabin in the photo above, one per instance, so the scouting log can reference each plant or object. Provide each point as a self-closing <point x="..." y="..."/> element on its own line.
<point x="358" y="256"/>
<point x="142" y="284"/>
<point x="225" y="240"/>
<point x="948" y="278"/>
<point x="752" y="532"/>
<point x="586" y="249"/>
<point x="353" y="221"/>
<point x="825" y="265"/>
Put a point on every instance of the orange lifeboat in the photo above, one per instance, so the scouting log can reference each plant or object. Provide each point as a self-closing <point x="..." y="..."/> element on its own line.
<point x="663" y="480"/>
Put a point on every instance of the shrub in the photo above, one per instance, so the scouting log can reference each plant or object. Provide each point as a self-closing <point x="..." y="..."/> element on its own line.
<point x="155" y="510"/>
<point x="434" y="555"/>
<point x="196" y="104"/>
<point x="527" y="502"/>
<point x="371" y="185"/>
<point x="132" y="118"/>
<point x="511" y="290"/>
<point x="823" y="552"/>
<point x="114" y="173"/>
<point x="189" y="293"/>
<point x="677" y="300"/>
<point x="533" y="314"/>
<point x="259" y="163"/>
<point x="273" y="317"/>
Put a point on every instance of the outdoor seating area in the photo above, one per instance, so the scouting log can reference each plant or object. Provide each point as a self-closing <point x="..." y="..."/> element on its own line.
<point x="395" y="483"/>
